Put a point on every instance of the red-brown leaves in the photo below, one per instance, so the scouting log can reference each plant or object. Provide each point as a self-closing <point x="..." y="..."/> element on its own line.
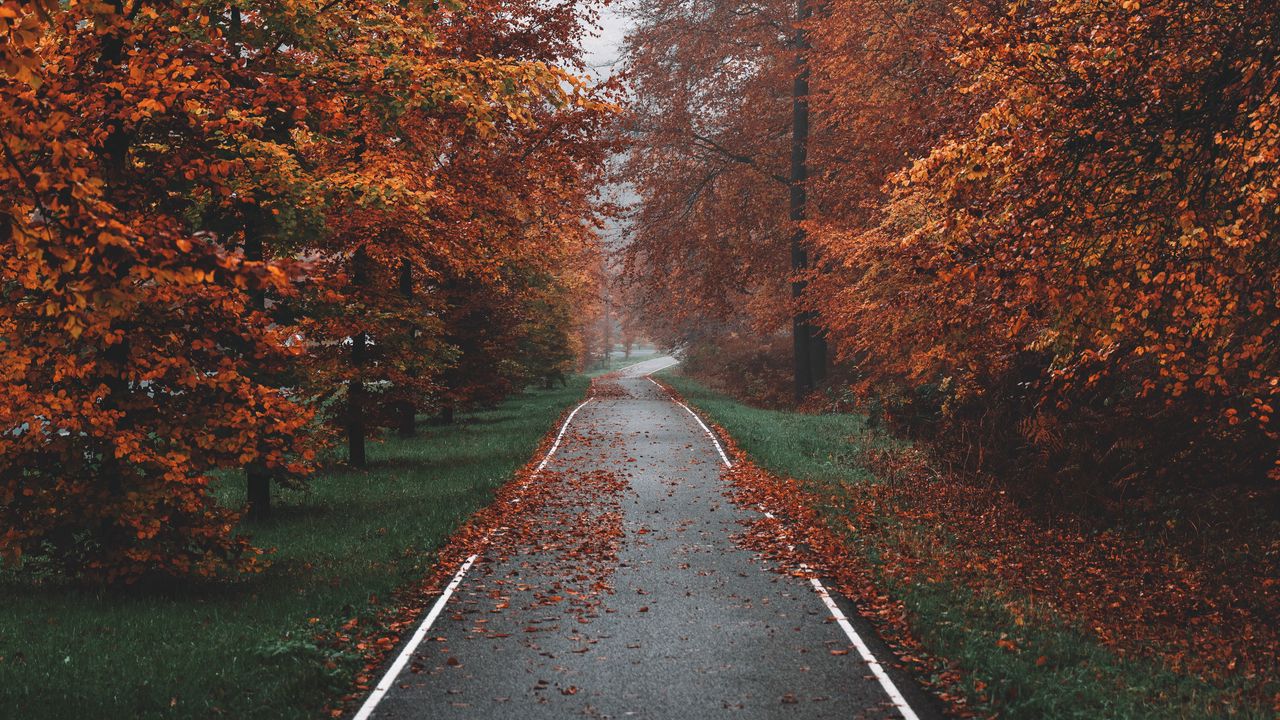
<point x="1079" y="279"/>
<point x="1137" y="596"/>
<point x="1044" y="236"/>
<point x="607" y="387"/>
<point x="710" y="161"/>
<point x="162" y="172"/>
<point x="562" y="525"/>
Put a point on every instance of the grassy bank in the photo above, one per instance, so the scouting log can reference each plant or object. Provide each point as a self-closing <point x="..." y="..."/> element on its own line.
<point x="1011" y="666"/>
<point x="243" y="650"/>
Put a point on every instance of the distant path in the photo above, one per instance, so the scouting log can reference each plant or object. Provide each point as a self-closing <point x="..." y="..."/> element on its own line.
<point x="638" y="603"/>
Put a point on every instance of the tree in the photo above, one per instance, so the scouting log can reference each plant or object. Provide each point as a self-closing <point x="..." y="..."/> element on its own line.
<point x="213" y="217"/>
<point x="1086" y="270"/>
<point x="446" y="157"/>
<point x="709" y="131"/>
<point x="721" y="136"/>
<point x="131" y="345"/>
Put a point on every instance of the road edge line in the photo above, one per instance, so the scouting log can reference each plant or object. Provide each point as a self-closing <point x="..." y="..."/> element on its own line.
<point x="384" y="686"/>
<point x="714" y="440"/>
<point x="886" y="682"/>
<point x="560" y="436"/>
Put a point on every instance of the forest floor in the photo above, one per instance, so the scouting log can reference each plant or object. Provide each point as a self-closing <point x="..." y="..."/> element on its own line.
<point x="256" y="648"/>
<point x="1005" y="613"/>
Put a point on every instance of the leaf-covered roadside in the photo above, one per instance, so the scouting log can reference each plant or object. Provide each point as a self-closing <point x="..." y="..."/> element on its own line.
<point x="1007" y="613"/>
<point x="567" y="523"/>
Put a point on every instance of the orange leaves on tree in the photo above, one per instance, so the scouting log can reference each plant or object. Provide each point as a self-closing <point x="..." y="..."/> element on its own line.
<point x="1087" y="258"/>
<point x="182" y="193"/>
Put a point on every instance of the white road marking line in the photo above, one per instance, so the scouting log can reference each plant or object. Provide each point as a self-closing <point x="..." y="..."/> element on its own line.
<point x="384" y="686"/>
<point x="710" y="434"/>
<point x="393" y="672"/>
<point x="886" y="682"/>
<point x="560" y="436"/>
<point x="705" y="429"/>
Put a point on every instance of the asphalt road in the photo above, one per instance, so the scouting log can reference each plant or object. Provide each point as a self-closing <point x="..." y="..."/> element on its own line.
<point x="632" y="599"/>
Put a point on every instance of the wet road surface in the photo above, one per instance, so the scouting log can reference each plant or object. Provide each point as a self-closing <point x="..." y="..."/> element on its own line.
<point x="628" y="596"/>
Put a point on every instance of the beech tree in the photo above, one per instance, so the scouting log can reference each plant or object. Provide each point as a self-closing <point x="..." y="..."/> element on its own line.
<point x="709" y="250"/>
<point x="132" y="349"/>
<point x="723" y="98"/>
<point x="1034" y="231"/>
<point x="1090" y="268"/>
<point x="214" y="217"/>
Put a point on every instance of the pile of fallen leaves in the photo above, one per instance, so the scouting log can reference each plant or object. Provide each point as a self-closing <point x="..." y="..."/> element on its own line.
<point x="794" y="536"/>
<point x="606" y="387"/>
<point x="547" y="522"/>
<point x="1138" y="596"/>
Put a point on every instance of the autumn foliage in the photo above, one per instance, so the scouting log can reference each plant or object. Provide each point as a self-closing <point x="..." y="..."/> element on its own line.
<point x="222" y="224"/>
<point x="1089" y="271"/>
<point x="1045" y="231"/>
<point x="709" y="133"/>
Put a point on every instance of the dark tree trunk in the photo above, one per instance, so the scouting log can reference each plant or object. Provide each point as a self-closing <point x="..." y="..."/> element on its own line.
<point x="808" y="347"/>
<point x="257" y="480"/>
<point x="406" y="279"/>
<point x="115" y="361"/>
<point x="446" y="415"/>
<point x="355" y="404"/>
<point x="116" y="141"/>
<point x="608" y="334"/>
<point x="355" y="386"/>
<point x="115" y="164"/>
<point x="258" y="489"/>
<point x="407" y="421"/>
<point x="407" y="411"/>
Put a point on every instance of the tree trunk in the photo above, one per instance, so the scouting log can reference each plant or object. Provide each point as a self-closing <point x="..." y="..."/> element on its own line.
<point x="116" y="141"/>
<point x="257" y="480"/>
<point x="355" y="404"/>
<point x="408" y="419"/>
<point x="608" y="335"/>
<point x="407" y="411"/>
<point x="808" y="347"/>
<point x="355" y="386"/>
<point x="258" y="491"/>
<point x="446" y="415"/>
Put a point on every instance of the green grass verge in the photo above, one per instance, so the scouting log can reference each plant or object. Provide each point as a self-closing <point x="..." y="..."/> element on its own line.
<point x="243" y="650"/>
<point x="1077" y="679"/>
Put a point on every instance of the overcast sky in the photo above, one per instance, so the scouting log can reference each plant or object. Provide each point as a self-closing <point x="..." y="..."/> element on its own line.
<point x="602" y="49"/>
